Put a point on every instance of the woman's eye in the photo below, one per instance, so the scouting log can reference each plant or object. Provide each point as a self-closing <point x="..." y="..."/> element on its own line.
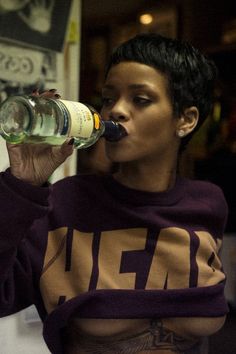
<point x="106" y="101"/>
<point x="143" y="101"/>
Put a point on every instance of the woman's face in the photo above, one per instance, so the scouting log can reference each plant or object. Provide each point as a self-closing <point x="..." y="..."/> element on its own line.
<point x="136" y="96"/>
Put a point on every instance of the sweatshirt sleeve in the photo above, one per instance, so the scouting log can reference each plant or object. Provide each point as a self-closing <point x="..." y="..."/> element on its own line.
<point x="20" y="205"/>
<point x="219" y="209"/>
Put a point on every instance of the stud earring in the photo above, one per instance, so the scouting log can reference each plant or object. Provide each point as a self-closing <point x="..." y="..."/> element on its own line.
<point x="181" y="133"/>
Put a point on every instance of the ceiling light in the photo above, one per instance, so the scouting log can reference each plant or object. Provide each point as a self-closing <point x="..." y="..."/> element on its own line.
<point x="146" y="19"/>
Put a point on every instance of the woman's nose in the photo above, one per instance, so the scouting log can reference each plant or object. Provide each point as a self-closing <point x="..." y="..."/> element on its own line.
<point x="118" y="112"/>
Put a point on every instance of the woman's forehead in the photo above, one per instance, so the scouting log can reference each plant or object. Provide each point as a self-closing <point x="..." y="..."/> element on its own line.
<point x="135" y="75"/>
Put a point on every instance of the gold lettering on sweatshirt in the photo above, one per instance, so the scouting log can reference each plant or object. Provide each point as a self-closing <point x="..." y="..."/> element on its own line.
<point x="55" y="281"/>
<point x="171" y="261"/>
<point x="112" y="244"/>
<point x="126" y="259"/>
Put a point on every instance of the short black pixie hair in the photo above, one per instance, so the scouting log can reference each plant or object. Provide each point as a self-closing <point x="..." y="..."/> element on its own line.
<point x="191" y="75"/>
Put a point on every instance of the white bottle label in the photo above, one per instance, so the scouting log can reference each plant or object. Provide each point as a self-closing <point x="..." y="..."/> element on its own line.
<point x="82" y="121"/>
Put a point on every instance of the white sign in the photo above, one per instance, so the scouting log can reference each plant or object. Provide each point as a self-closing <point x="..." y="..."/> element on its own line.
<point x="19" y="65"/>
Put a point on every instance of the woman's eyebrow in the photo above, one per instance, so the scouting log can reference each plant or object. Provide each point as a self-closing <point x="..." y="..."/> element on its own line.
<point x="108" y="87"/>
<point x="131" y="86"/>
<point x="138" y="86"/>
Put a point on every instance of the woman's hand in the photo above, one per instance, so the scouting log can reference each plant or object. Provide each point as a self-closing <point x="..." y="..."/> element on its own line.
<point x="35" y="163"/>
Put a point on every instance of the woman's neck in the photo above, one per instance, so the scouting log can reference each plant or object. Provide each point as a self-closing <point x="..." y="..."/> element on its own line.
<point x="150" y="178"/>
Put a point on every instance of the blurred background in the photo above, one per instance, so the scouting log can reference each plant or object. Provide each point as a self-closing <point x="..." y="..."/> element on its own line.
<point x="71" y="55"/>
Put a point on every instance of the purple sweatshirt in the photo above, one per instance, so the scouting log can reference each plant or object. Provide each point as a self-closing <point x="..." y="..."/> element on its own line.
<point x="91" y="246"/>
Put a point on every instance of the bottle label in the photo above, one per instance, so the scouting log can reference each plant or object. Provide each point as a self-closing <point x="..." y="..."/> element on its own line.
<point x="82" y="119"/>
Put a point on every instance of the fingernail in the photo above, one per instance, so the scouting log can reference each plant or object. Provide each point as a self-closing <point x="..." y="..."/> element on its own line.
<point x="53" y="90"/>
<point x="57" y="95"/>
<point x="71" y="141"/>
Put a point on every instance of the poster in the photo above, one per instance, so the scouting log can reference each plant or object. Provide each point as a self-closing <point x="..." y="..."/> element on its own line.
<point x="36" y="23"/>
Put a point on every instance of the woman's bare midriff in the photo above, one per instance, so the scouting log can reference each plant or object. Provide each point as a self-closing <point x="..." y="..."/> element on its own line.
<point x="116" y="330"/>
<point x="190" y="327"/>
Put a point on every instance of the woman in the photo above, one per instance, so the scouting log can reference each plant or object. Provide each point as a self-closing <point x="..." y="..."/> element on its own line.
<point x="128" y="262"/>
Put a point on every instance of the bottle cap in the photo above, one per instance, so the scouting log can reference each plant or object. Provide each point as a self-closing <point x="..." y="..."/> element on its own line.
<point x="113" y="131"/>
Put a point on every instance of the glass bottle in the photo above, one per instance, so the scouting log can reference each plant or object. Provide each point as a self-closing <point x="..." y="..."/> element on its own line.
<point x="35" y="119"/>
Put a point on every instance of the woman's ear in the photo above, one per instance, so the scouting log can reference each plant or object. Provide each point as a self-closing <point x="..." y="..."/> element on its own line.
<point x="188" y="121"/>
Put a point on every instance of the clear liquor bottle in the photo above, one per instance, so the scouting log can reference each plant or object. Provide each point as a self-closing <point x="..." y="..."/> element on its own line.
<point x="34" y="119"/>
